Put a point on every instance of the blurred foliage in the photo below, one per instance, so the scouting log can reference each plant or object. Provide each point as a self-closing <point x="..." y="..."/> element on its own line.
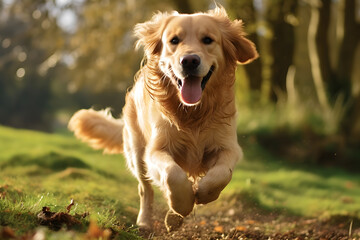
<point x="30" y="44"/>
<point x="103" y="45"/>
<point x="57" y="56"/>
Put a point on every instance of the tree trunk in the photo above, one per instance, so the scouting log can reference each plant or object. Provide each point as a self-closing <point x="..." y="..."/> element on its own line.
<point x="322" y="41"/>
<point x="351" y="125"/>
<point x="282" y="45"/>
<point x="245" y="11"/>
<point x="342" y="83"/>
<point x="254" y="71"/>
<point x="183" y="6"/>
<point x="314" y="53"/>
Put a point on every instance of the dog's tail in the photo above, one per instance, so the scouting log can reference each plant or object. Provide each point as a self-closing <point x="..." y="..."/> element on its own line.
<point x="99" y="129"/>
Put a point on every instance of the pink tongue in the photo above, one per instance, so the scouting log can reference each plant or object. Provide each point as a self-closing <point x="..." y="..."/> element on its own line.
<point x="191" y="90"/>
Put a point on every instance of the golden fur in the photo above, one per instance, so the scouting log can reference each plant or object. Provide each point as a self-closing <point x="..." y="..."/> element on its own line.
<point x="185" y="145"/>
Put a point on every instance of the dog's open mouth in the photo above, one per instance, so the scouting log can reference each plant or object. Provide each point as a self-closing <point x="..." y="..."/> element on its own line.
<point x="191" y="87"/>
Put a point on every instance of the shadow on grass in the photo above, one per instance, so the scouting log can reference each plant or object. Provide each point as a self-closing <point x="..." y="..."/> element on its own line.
<point x="251" y="205"/>
<point x="267" y="160"/>
<point x="21" y="221"/>
<point x="273" y="183"/>
<point x="54" y="162"/>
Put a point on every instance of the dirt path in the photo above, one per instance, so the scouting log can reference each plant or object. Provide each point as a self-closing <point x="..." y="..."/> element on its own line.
<point x="233" y="220"/>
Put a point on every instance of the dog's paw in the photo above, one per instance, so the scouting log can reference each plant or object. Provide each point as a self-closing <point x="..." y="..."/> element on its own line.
<point x="144" y="225"/>
<point x="210" y="186"/>
<point x="144" y="220"/>
<point x="179" y="192"/>
<point x="205" y="195"/>
<point x="173" y="221"/>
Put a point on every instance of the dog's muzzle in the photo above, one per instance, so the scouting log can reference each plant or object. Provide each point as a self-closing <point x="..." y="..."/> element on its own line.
<point x="191" y="86"/>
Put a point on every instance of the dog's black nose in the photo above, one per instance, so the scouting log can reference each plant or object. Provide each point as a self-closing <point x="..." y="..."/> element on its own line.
<point x="190" y="62"/>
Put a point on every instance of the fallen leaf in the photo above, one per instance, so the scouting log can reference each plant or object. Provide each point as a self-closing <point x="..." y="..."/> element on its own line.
<point x="219" y="229"/>
<point x="241" y="228"/>
<point x="68" y="208"/>
<point x="310" y="221"/>
<point x="55" y="220"/>
<point x="250" y="222"/>
<point x="6" y="233"/>
<point x="95" y="232"/>
<point x="202" y="223"/>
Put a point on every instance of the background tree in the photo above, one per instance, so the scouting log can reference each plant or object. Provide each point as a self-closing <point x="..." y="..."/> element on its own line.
<point x="281" y="18"/>
<point x="334" y="83"/>
<point x="318" y="48"/>
<point x="102" y="47"/>
<point x="50" y="65"/>
<point x="342" y="83"/>
<point x="30" y="40"/>
<point x="245" y="10"/>
<point x="349" y="43"/>
<point x="188" y="6"/>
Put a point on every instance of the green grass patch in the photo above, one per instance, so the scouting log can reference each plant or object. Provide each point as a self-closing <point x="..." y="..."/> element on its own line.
<point x="305" y="190"/>
<point x="39" y="169"/>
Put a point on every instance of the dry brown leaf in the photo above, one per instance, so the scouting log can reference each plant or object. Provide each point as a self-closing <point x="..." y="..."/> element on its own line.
<point x="240" y="228"/>
<point x="68" y="208"/>
<point x="250" y="222"/>
<point x="202" y="223"/>
<point x="95" y="232"/>
<point x="219" y="229"/>
<point x="55" y="220"/>
<point x="7" y="233"/>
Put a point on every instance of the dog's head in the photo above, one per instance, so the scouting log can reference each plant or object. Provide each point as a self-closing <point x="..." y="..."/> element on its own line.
<point x="192" y="50"/>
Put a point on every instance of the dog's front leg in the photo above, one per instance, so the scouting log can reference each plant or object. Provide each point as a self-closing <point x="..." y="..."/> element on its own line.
<point x="173" y="181"/>
<point x="210" y="186"/>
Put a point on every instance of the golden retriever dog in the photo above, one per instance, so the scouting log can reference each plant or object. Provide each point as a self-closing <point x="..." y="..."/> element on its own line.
<point x="178" y="128"/>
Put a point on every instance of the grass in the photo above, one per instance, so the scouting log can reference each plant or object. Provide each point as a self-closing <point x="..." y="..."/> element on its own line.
<point x="297" y="189"/>
<point x="38" y="169"/>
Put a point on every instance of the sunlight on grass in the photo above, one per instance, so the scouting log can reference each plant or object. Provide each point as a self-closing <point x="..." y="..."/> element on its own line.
<point x="307" y="191"/>
<point x="39" y="169"/>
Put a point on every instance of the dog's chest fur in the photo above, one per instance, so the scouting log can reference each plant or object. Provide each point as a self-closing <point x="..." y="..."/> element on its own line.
<point x="195" y="150"/>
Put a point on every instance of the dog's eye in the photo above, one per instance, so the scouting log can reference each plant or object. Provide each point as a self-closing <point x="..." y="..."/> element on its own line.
<point x="207" y="40"/>
<point x="175" y="40"/>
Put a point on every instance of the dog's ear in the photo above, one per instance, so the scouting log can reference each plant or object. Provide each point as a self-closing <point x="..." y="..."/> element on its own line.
<point x="149" y="34"/>
<point x="236" y="47"/>
<point x="245" y="49"/>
